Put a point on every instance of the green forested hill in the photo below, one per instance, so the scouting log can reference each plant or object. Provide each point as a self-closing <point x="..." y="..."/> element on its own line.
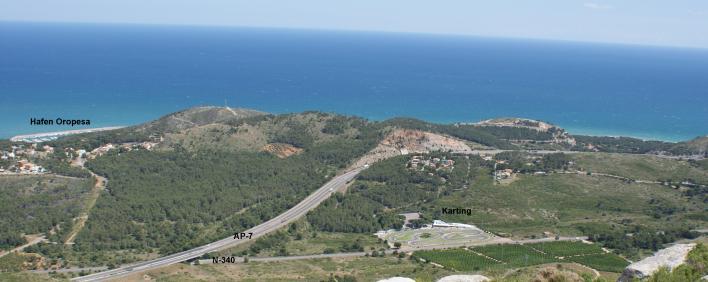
<point x="37" y="204"/>
<point x="174" y="200"/>
<point x="697" y="146"/>
<point x="172" y="123"/>
<point x="390" y="186"/>
<point x="204" y="181"/>
<point x="196" y="116"/>
<point x="210" y="176"/>
<point x="203" y="186"/>
<point x="309" y="131"/>
<point x="213" y="174"/>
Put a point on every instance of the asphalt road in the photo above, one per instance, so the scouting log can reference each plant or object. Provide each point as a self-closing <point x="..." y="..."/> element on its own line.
<point x="432" y="247"/>
<point x="347" y="255"/>
<point x="275" y="223"/>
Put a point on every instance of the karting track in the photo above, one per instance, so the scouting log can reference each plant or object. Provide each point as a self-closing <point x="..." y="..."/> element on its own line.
<point x="439" y="236"/>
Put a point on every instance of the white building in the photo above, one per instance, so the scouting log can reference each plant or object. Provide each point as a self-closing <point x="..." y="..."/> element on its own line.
<point x="440" y="223"/>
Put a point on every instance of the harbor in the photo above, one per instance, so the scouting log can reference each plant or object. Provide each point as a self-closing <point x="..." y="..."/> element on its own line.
<point x="49" y="136"/>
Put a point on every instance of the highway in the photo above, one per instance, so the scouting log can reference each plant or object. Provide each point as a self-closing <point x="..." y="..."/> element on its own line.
<point x="348" y="255"/>
<point x="271" y="225"/>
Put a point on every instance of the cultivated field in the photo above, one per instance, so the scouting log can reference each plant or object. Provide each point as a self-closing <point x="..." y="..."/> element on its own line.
<point x="506" y="256"/>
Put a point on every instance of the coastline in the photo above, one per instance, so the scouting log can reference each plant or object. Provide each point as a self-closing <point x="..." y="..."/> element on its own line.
<point x="447" y="82"/>
<point x="608" y="133"/>
<point x="57" y="134"/>
<point x="571" y="130"/>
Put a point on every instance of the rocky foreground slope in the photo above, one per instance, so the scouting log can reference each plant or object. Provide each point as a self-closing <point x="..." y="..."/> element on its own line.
<point x="670" y="257"/>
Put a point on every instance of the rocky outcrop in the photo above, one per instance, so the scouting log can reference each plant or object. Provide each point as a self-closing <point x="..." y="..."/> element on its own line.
<point x="406" y="141"/>
<point x="670" y="257"/>
<point x="281" y="150"/>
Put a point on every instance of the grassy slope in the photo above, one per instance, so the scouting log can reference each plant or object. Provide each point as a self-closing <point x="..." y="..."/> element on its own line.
<point x="363" y="269"/>
<point x="702" y="164"/>
<point x="514" y="256"/>
<point x="640" y="167"/>
<point x="333" y="240"/>
<point x="252" y="134"/>
<point x="312" y="245"/>
<point x="557" y="202"/>
<point x="25" y="277"/>
<point x="533" y="204"/>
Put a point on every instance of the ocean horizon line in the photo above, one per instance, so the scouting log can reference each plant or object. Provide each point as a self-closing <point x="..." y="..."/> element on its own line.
<point x="573" y="130"/>
<point x="100" y="71"/>
<point x="366" y="31"/>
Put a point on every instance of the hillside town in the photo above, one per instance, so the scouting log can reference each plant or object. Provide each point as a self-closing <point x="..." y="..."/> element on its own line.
<point x="422" y="163"/>
<point x="16" y="160"/>
<point x="27" y="159"/>
<point x="507" y="166"/>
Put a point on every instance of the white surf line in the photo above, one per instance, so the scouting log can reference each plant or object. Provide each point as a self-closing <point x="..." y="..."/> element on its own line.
<point x="62" y="133"/>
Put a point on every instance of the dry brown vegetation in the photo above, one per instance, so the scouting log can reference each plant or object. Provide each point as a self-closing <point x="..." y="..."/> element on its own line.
<point x="281" y="150"/>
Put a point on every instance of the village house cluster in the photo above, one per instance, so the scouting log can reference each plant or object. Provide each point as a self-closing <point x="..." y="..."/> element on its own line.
<point x="503" y="169"/>
<point x="500" y="174"/>
<point x="421" y="162"/>
<point x="71" y="153"/>
<point x="26" y="167"/>
<point x="16" y="159"/>
<point x="503" y="174"/>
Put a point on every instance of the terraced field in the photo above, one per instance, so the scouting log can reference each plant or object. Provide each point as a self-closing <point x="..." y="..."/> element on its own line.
<point x="602" y="262"/>
<point x="459" y="259"/>
<point x="506" y="256"/>
<point x="514" y="255"/>
<point x="567" y="248"/>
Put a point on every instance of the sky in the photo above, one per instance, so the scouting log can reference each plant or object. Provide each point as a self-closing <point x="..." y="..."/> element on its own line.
<point x="682" y="23"/>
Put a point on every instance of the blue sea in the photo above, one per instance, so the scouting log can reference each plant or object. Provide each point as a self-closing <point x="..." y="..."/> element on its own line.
<point x="129" y="74"/>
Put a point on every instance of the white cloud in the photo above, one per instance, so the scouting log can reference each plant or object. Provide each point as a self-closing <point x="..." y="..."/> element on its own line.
<point x="596" y="6"/>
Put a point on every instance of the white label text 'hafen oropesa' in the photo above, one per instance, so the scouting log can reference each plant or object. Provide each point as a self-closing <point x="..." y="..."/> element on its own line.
<point x="59" y="121"/>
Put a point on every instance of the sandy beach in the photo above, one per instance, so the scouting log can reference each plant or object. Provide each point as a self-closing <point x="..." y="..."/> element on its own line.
<point x="56" y="134"/>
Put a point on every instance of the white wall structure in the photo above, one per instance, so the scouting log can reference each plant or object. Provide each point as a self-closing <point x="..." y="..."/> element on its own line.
<point x="440" y="223"/>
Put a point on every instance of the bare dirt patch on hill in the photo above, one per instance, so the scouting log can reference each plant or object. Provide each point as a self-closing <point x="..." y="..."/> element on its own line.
<point x="281" y="150"/>
<point x="406" y="141"/>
